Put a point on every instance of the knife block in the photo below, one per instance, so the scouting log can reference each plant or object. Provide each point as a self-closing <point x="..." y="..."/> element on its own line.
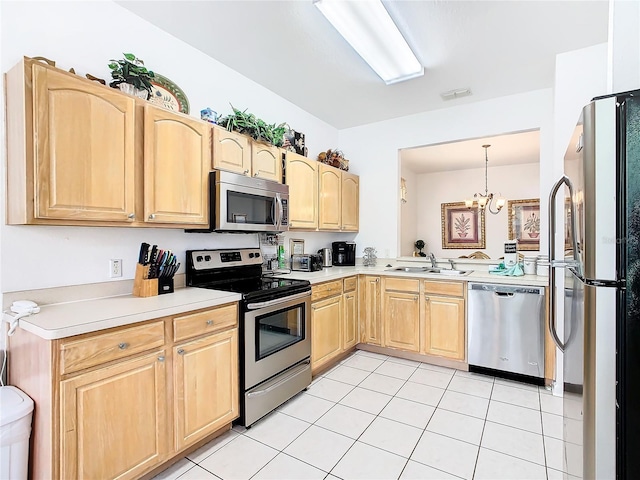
<point x="143" y="286"/>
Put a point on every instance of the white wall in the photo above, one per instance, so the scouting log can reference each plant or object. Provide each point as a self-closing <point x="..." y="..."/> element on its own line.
<point x="514" y="182"/>
<point x="86" y="35"/>
<point x="375" y="147"/>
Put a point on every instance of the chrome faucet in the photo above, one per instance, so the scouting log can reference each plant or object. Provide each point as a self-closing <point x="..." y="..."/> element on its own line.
<point x="453" y="265"/>
<point x="433" y="260"/>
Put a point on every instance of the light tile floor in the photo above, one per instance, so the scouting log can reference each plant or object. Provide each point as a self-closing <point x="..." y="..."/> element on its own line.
<point x="379" y="417"/>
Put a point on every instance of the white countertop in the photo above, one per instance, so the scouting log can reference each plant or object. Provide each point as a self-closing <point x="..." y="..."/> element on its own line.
<point x="63" y="320"/>
<point x="335" y="273"/>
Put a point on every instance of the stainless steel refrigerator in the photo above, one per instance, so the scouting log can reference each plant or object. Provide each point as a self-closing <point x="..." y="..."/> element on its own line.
<point x="599" y="199"/>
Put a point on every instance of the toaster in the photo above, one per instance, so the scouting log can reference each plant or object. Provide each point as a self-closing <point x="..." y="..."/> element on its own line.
<point x="306" y="262"/>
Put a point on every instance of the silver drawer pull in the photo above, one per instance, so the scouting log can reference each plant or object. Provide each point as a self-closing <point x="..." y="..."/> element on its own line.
<point x="152" y="216"/>
<point x="426" y="299"/>
<point x="123" y="345"/>
<point x="181" y="351"/>
<point x="131" y="215"/>
<point x="209" y="322"/>
<point x="161" y="358"/>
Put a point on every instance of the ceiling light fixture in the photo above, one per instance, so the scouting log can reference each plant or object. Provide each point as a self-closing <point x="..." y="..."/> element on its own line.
<point x="369" y="29"/>
<point x="484" y="201"/>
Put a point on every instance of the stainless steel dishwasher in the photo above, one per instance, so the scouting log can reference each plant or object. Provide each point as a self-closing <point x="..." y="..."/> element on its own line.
<point x="506" y="328"/>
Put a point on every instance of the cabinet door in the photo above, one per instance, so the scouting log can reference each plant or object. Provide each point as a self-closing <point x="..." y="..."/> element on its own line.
<point x="330" y="204"/>
<point x="302" y="178"/>
<point x="444" y="327"/>
<point x="370" y="310"/>
<point x="231" y="151"/>
<point x="84" y="149"/>
<point x="206" y="386"/>
<point x="402" y="321"/>
<point x="350" y="202"/>
<point x="326" y="321"/>
<point x="177" y="155"/>
<point x="266" y="161"/>
<point x="350" y="320"/>
<point x="113" y="420"/>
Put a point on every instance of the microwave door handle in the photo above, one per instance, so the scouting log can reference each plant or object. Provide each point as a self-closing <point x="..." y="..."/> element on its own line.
<point x="280" y="211"/>
<point x="274" y="213"/>
<point x="552" y="267"/>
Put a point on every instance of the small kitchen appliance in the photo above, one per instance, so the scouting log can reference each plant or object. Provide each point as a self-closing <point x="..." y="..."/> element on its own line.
<point x="344" y="254"/>
<point x="274" y="324"/>
<point x="306" y="262"/>
<point x="327" y="257"/>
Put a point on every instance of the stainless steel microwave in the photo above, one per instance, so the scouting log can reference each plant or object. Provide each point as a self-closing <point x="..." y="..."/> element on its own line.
<point x="246" y="204"/>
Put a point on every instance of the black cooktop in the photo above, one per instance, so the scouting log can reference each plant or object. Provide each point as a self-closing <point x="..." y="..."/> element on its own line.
<point x="263" y="288"/>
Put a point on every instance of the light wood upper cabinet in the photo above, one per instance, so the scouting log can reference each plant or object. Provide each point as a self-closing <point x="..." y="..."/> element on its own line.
<point x="302" y="178"/>
<point x="177" y="156"/>
<point x="326" y="335"/>
<point x="231" y="151"/>
<point x="330" y="198"/>
<point x="206" y="386"/>
<point x="370" y="305"/>
<point x="84" y="158"/>
<point x="113" y="420"/>
<point x="266" y="161"/>
<point x="350" y="219"/>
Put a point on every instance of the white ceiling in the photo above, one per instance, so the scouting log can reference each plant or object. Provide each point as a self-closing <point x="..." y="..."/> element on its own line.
<point x="511" y="149"/>
<point x="495" y="48"/>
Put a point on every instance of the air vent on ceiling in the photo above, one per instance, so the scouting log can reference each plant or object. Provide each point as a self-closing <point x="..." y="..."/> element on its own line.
<point x="457" y="93"/>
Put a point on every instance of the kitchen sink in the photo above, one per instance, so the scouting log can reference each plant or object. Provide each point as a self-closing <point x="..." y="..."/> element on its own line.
<point x="441" y="271"/>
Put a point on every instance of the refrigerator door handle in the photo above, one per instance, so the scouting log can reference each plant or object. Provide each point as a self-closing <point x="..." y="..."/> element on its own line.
<point x="552" y="248"/>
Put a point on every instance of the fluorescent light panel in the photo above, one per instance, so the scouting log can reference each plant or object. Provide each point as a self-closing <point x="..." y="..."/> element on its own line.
<point x="368" y="28"/>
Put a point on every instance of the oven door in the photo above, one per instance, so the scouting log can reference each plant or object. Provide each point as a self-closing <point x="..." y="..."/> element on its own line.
<point x="243" y="208"/>
<point x="276" y="336"/>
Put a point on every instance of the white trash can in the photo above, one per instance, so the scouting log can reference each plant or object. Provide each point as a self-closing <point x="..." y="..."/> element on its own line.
<point x="16" y="409"/>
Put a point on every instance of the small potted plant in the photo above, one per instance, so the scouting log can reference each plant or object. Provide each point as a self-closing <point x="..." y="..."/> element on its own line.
<point x="131" y="76"/>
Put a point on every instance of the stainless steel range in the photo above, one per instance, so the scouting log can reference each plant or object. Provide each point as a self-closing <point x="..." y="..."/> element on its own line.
<point x="275" y="347"/>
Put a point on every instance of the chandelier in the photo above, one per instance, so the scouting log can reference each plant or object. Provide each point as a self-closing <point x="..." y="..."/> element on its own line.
<point x="484" y="201"/>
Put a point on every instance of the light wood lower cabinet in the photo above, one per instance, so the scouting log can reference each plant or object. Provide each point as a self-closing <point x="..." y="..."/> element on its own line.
<point x="205" y="373"/>
<point x="326" y="336"/>
<point x="402" y="320"/>
<point x="118" y="403"/>
<point x="445" y="332"/>
<point x="370" y="313"/>
<point x="334" y="322"/>
<point x="114" y="420"/>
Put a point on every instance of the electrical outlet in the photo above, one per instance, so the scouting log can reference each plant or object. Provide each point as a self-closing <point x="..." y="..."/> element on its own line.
<point x="115" y="267"/>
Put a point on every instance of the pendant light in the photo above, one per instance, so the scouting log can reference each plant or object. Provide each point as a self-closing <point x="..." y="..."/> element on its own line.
<point x="484" y="201"/>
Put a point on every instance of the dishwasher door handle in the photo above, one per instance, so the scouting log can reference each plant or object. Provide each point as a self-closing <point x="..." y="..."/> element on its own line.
<point x="505" y="294"/>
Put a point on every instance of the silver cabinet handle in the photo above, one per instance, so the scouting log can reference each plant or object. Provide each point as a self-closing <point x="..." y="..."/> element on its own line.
<point x="377" y="280"/>
<point x="246" y="172"/>
<point x="209" y="322"/>
<point x="161" y="358"/>
<point x="426" y="299"/>
<point x="181" y="351"/>
<point x="131" y="216"/>
<point x="123" y="345"/>
<point x="255" y="174"/>
<point x="152" y="216"/>
<point x="415" y="298"/>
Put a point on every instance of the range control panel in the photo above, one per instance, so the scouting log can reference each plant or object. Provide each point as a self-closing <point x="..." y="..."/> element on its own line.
<point x="210" y="259"/>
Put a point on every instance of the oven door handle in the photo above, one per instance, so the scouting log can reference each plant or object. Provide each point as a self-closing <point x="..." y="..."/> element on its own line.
<point x="277" y="301"/>
<point x="298" y="370"/>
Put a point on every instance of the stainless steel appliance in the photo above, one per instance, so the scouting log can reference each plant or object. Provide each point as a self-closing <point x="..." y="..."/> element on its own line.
<point x="344" y="254"/>
<point x="275" y="343"/>
<point x="246" y="204"/>
<point x="306" y="262"/>
<point x="599" y="195"/>
<point x="506" y="328"/>
<point x="327" y="257"/>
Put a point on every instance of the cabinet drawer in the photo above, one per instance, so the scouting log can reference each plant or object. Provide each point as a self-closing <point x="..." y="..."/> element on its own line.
<point x="208" y="321"/>
<point x="444" y="288"/>
<point x="402" y="284"/>
<point x="326" y="290"/>
<point x="96" y="349"/>
<point x="350" y="284"/>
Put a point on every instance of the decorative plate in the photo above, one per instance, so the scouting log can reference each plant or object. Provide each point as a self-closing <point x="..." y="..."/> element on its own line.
<point x="168" y="95"/>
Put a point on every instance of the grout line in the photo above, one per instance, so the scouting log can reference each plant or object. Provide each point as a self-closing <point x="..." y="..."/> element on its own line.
<point x="484" y="425"/>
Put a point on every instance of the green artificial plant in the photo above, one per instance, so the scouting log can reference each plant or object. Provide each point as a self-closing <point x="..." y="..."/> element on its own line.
<point x="131" y="70"/>
<point x="256" y="128"/>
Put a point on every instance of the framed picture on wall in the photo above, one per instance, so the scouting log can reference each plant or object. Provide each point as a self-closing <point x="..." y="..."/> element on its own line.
<point x="462" y="227"/>
<point x="524" y="223"/>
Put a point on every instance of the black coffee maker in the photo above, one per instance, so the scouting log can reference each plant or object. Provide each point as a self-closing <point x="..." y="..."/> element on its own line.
<point x="344" y="254"/>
